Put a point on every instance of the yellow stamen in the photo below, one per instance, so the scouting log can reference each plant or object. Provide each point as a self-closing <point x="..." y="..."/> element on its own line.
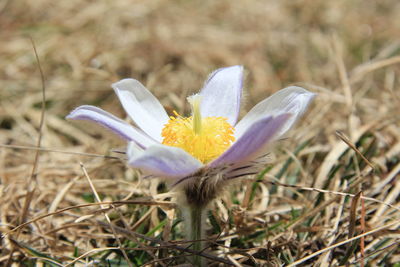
<point x="203" y="138"/>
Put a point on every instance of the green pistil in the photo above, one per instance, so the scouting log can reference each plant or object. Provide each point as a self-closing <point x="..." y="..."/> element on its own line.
<point x="195" y="102"/>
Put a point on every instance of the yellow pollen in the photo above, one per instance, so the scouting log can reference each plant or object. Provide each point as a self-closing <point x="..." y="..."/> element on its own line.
<point x="204" y="143"/>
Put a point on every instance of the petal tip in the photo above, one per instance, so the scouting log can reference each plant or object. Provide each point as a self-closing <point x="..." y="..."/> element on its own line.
<point x="303" y="91"/>
<point x="239" y="67"/>
<point x="312" y="94"/>
<point x="117" y="85"/>
<point x="72" y="115"/>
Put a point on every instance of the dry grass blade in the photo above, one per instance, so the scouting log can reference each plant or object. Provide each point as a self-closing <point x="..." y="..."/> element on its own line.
<point x="83" y="206"/>
<point x="364" y="69"/>
<point x="32" y="178"/>
<point x="353" y="214"/>
<point x="342" y="71"/>
<point x="58" y="151"/>
<point x="348" y="140"/>
<point x="343" y="194"/>
<point x="87" y="254"/>
<point x="169" y="245"/>
<point x="297" y="262"/>
<point x="393" y="245"/>
<point x="362" y="241"/>
<point x="106" y="215"/>
<point x="351" y="247"/>
<point x="31" y="182"/>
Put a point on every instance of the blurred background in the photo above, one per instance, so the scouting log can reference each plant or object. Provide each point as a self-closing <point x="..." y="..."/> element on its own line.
<point x="345" y="51"/>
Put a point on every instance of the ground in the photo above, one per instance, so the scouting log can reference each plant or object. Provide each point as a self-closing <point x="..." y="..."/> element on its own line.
<point x="334" y="178"/>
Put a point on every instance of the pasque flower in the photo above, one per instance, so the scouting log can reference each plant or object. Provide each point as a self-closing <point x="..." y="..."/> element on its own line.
<point x="204" y="151"/>
<point x="210" y="144"/>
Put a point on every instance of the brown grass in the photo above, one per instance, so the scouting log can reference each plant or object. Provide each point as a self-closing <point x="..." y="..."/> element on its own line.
<point x="346" y="51"/>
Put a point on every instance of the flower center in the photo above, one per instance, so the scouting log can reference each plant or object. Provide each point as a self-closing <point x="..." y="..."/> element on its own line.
<point x="203" y="138"/>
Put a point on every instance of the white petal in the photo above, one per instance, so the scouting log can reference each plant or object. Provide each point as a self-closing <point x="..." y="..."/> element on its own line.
<point x="292" y="100"/>
<point x="222" y="92"/>
<point x="142" y="106"/>
<point x="118" y="126"/>
<point x="163" y="161"/>
<point x="254" y="141"/>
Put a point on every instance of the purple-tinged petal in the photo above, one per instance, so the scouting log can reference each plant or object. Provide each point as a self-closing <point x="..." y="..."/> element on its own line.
<point x="133" y="150"/>
<point x="292" y="99"/>
<point x="253" y="141"/>
<point x="109" y="121"/>
<point x="142" y="106"/>
<point x="222" y="92"/>
<point x="163" y="161"/>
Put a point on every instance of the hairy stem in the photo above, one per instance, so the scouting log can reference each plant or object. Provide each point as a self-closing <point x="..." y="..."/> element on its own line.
<point x="195" y="218"/>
